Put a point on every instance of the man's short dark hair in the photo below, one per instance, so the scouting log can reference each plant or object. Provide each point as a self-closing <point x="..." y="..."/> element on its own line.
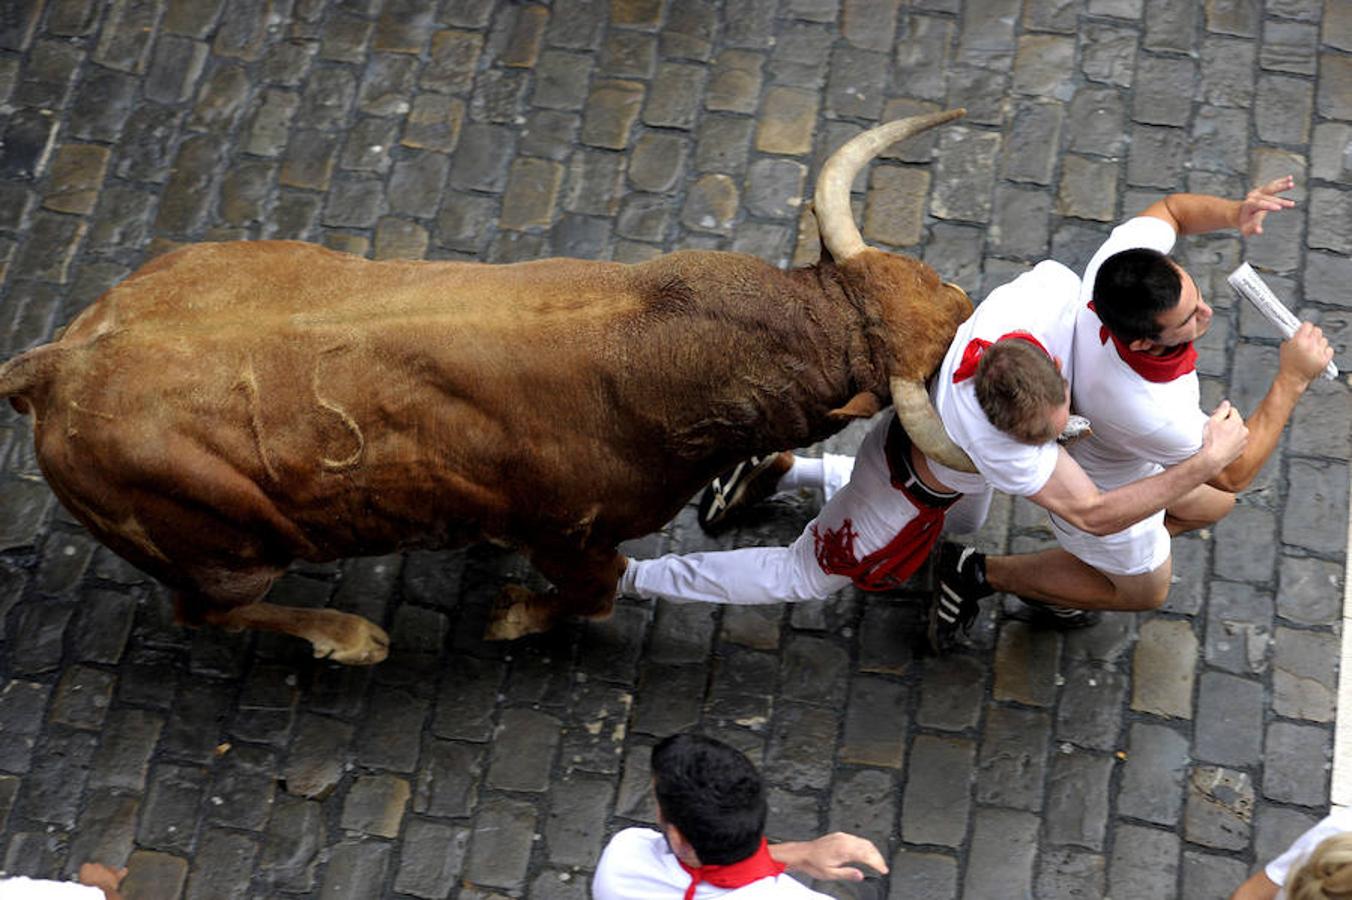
<point x="713" y="794"/>
<point x="1018" y="386"/>
<point x="1132" y="288"/>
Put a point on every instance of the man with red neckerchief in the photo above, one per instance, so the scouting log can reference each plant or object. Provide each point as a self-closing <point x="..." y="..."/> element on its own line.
<point x="711" y="807"/>
<point x="1138" y="314"/>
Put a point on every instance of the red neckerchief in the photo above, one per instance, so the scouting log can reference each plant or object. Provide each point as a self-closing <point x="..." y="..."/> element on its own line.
<point x="1160" y="368"/>
<point x="977" y="346"/>
<point x="734" y="875"/>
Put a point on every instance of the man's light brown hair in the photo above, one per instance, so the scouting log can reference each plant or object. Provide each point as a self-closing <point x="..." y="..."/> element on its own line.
<point x="1018" y="386"/>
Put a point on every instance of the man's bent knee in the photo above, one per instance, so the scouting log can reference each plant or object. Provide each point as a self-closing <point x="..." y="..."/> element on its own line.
<point x="1142" y="593"/>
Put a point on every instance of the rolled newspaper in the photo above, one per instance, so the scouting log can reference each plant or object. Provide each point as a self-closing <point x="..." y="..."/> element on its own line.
<point x="1247" y="284"/>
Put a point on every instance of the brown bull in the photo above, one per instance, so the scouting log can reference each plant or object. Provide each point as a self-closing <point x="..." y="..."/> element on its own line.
<point x="232" y="407"/>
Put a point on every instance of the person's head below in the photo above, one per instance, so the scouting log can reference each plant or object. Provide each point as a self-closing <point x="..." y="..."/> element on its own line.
<point x="1326" y="874"/>
<point x="711" y="796"/>
<point x="1148" y="302"/>
<point x="1021" y="391"/>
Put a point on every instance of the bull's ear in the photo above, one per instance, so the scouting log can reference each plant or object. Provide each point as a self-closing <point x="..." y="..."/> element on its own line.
<point x="861" y="406"/>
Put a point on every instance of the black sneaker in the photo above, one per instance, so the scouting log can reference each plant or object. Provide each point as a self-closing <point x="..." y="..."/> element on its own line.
<point x="956" y="602"/>
<point x="1061" y="618"/>
<point x="745" y="484"/>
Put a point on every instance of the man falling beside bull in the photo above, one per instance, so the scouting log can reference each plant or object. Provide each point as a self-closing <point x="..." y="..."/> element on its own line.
<point x="1120" y="344"/>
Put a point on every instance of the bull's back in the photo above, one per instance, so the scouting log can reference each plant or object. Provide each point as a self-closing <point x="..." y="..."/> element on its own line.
<point x="342" y="405"/>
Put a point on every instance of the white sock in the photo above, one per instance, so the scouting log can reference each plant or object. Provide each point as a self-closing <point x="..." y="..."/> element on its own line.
<point x="806" y="472"/>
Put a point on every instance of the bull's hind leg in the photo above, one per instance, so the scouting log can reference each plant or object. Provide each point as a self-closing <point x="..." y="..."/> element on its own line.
<point x="584" y="582"/>
<point x="339" y="636"/>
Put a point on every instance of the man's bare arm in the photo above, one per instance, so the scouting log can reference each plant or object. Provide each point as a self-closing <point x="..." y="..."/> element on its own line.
<point x="1073" y="496"/>
<point x="831" y="857"/>
<point x="1201" y="213"/>
<point x="1258" y="887"/>
<point x="1303" y="359"/>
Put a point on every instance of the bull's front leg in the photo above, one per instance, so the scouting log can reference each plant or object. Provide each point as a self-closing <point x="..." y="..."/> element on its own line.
<point x="584" y="582"/>
<point x="338" y="636"/>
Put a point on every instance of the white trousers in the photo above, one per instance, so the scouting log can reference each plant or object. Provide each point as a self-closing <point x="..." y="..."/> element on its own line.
<point x="858" y="489"/>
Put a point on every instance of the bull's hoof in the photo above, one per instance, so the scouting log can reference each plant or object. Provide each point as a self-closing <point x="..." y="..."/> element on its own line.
<point x="355" y="642"/>
<point x="515" y="614"/>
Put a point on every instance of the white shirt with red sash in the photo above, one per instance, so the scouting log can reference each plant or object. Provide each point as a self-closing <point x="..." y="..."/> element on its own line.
<point x="1039" y="303"/>
<point x="638" y="864"/>
<point x="1145" y="412"/>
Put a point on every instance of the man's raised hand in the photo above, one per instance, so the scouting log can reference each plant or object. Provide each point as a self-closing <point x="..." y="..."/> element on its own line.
<point x="831" y="857"/>
<point x="1261" y="201"/>
<point x="1305" y="355"/>
<point x="1224" y="436"/>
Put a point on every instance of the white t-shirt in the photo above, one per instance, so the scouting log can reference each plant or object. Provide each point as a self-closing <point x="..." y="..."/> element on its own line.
<point x="1280" y="869"/>
<point x="1041" y="302"/>
<point x="1138" y="425"/>
<point x="638" y="864"/>
<point x="31" y="889"/>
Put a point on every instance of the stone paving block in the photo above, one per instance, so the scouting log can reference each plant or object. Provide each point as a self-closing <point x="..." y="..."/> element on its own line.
<point x="786" y="121"/>
<point x="36" y="631"/>
<point x="22" y="707"/>
<point x="1308" y="590"/>
<point x="387" y="737"/>
<point x="1304" y="685"/>
<point x="498" y="97"/>
<point x="576" y="24"/>
<point x="432" y="858"/>
<point x="266" y="131"/>
<point x="1026" y="664"/>
<point x="609" y="114"/>
<point x="795" y="754"/>
<point x="1220" y="138"/>
<point x="1012" y="762"/>
<point x="628" y="54"/>
<point x="936" y="801"/>
<point x="169" y="812"/>
<point x="523" y="750"/>
<point x="916" y="873"/>
<point x="82" y="697"/>
<point x="923" y="55"/>
<point x="500" y="847"/>
<point x="711" y="204"/>
<point x="1229" y="720"/>
<point x="1227" y="72"/>
<point x="1208" y="875"/>
<point x="575" y="828"/>
<point x="676" y="95"/>
<point x="854" y="87"/>
<point x="356" y="869"/>
<point x="895" y="207"/>
<point x="447" y="782"/>
<point x="952" y="693"/>
<point x="1170" y="26"/>
<point x="76" y="174"/>
<point x="1044" y="65"/>
<point x="1282" y="110"/>
<point x="1329" y="158"/>
<point x="1144" y="864"/>
<point x="1246" y="544"/>
<point x="1219" y="810"/>
<point x="1296" y="763"/>
<point x="222" y="866"/>
<point x="129" y="737"/>
<point x="550" y="134"/>
<point x="1078" y="798"/>
<point x="106" y="830"/>
<point x="722" y="144"/>
<point x="966" y="161"/>
<point x="375" y="805"/>
<point x="875" y="724"/>
<point x="1068" y="874"/>
<point x="1156" y="157"/>
<point x="1107" y="54"/>
<point x="1153" y="102"/>
<point x="1239" y="628"/>
<point x="1163" y="669"/>
<point x="864" y="803"/>
<point x="523" y="45"/>
<point x="1089" y="713"/>
<point x="154" y="876"/>
<point x="1088" y="188"/>
<point x="1030" y="141"/>
<point x="290" y="850"/>
<point x="669" y="698"/>
<point x="879" y="653"/>
<point x="1004" y="845"/>
<point x="1276" y="828"/>
<point x="452" y="59"/>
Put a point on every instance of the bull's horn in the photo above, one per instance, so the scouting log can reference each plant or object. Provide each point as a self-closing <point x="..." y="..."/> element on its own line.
<point x="835" y="220"/>
<point x="922" y="423"/>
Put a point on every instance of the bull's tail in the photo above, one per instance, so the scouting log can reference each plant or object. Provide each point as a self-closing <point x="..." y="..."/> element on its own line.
<point x="28" y="372"/>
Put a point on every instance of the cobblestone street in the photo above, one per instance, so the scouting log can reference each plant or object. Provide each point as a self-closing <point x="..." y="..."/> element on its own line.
<point x="1152" y="756"/>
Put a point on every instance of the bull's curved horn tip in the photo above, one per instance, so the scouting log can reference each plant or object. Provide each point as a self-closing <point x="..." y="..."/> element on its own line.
<point x="921" y="421"/>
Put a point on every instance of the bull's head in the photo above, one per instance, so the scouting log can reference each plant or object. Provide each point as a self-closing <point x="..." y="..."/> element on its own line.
<point x="835" y="220"/>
